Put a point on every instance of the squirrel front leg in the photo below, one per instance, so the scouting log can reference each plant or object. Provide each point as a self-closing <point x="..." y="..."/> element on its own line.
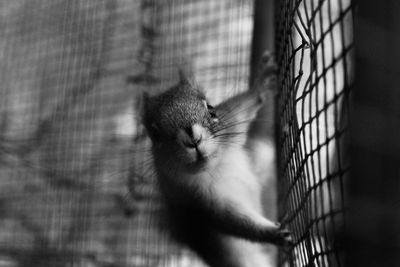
<point x="231" y="210"/>
<point x="244" y="223"/>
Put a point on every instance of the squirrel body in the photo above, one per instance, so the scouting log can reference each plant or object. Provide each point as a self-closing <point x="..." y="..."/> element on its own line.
<point x="205" y="173"/>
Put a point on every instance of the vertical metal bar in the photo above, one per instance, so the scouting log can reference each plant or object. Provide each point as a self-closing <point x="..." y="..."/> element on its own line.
<point x="263" y="128"/>
<point x="263" y="32"/>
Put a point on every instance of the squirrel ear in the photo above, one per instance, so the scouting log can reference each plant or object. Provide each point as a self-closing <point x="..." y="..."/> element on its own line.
<point x="183" y="78"/>
<point x="143" y="103"/>
<point x="146" y="102"/>
<point x="185" y="70"/>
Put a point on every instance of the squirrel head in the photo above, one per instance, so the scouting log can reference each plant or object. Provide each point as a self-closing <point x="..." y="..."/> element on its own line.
<point x="180" y="124"/>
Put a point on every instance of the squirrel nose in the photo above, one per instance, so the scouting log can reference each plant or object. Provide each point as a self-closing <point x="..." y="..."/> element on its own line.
<point x="195" y="137"/>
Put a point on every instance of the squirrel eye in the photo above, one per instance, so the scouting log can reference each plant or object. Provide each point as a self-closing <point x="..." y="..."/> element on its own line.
<point x="212" y="112"/>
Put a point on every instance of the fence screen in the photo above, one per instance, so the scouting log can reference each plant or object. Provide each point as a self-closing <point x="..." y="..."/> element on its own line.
<point x="314" y="44"/>
<point x="71" y="141"/>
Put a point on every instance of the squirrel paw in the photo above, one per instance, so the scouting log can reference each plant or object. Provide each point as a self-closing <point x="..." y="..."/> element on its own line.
<point x="284" y="238"/>
<point x="266" y="75"/>
<point x="267" y="65"/>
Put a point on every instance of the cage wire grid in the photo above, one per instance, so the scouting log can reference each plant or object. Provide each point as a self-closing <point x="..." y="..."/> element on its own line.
<point x="314" y="44"/>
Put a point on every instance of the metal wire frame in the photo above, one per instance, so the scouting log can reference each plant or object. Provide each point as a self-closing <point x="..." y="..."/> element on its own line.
<point x="314" y="46"/>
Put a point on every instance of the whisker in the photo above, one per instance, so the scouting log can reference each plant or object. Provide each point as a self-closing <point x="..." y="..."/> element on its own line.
<point x="232" y="124"/>
<point x="235" y="111"/>
<point x="229" y="143"/>
<point x="230" y="134"/>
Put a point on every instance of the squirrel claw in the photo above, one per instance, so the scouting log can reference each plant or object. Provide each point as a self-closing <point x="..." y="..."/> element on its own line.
<point x="266" y="75"/>
<point x="268" y="67"/>
<point x="285" y="238"/>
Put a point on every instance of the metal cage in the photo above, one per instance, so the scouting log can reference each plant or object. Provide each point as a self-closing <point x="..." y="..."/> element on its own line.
<point x="314" y="47"/>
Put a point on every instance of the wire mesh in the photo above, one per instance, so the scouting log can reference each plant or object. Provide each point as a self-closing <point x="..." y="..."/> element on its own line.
<point x="314" y="44"/>
<point x="70" y="132"/>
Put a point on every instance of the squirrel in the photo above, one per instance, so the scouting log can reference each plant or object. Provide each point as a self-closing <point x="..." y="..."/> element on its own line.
<point x="204" y="170"/>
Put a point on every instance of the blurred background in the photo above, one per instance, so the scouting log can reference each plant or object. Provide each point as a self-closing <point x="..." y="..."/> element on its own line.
<point x="76" y="183"/>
